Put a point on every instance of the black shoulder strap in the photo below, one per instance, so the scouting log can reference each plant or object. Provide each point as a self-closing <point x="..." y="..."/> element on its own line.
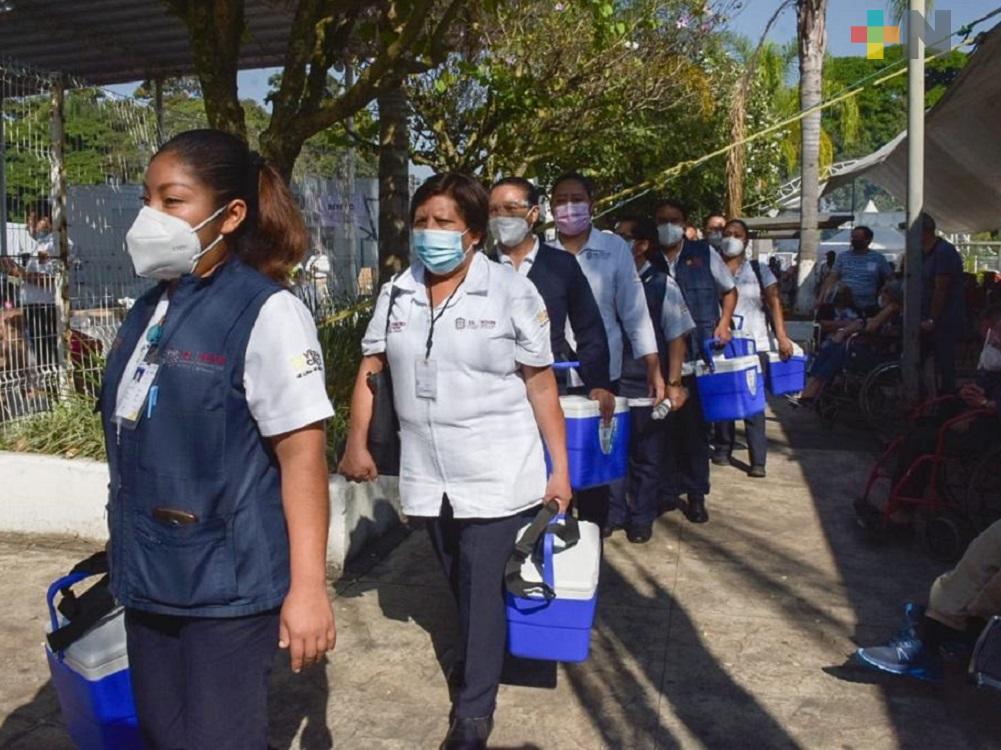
<point x="82" y="612"/>
<point x="393" y="294"/>
<point x="569" y="533"/>
<point x="756" y="267"/>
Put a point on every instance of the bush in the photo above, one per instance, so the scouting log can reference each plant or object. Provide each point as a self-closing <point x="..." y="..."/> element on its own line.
<point x="71" y="429"/>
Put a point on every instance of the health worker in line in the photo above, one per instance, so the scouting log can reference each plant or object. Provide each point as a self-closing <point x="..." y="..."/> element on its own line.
<point x="608" y="265"/>
<point x="711" y="295"/>
<point x="712" y="230"/>
<point x="636" y="501"/>
<point x="758" y="307"/>
<point x="466" y="341"/>
<point x="213" y="406"/>
<point x="514" y="211"/>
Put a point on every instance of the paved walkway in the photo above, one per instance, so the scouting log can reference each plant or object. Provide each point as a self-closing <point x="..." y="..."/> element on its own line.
<point x="730" y="635"/>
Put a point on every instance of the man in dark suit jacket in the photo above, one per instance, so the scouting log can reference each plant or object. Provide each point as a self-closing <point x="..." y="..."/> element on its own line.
<point x="514" y="209"/>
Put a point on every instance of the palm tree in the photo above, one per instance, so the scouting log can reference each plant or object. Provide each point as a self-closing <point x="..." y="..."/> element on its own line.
<point x="812" y="37"/>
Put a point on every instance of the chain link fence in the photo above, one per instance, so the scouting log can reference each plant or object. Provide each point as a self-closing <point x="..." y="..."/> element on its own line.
<point x="109" y="140"/>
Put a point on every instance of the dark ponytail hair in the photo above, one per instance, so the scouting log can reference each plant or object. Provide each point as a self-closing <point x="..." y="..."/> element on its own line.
<point x="273" y="237"/>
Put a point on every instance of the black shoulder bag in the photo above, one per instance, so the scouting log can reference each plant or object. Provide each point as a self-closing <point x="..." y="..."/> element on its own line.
<point x="384" y="429"/>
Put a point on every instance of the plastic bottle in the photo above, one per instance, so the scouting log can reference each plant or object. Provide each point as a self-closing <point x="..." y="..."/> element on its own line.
<point x="661" y="410"/>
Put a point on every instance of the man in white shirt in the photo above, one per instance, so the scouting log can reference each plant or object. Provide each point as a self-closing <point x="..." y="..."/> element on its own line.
<point x="607" y="262"/>
<point x="38" y="294"/>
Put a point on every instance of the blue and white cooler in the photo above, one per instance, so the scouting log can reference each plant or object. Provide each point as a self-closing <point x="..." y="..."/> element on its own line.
<point x="552" y="588"/>
<point x="789" y="376"/>
<point x="598" y="454"/>
<point x="91" y="673"/>
<point x="729" y="387"/>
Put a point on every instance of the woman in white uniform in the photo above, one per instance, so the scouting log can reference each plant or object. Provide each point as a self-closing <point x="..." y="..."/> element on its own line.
<point x="757" y="304"/>
<point x="467" y="343"/>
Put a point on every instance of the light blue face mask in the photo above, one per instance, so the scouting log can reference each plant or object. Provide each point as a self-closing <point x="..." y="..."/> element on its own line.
<point x="440" y="251"/>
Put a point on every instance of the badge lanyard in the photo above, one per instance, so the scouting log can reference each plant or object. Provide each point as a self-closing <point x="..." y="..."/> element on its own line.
<point x="426" y="370"/>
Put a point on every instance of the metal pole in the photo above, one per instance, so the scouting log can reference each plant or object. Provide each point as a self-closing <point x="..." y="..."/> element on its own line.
<point x="58" y="134"/>
<point x="158" y="109"/>
<point x="910" y="362"/>
<point x="350" y="235"/>
<point x="3" y="180"/>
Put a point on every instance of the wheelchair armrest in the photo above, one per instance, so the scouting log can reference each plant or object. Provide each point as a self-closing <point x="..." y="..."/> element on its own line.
<point x="949" y="424"/>
<point x="920" y="409"/>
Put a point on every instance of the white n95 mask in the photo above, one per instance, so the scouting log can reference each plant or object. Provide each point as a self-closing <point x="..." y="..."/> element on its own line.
<point x="165" y="247"/>
<point x="732" y="247"/>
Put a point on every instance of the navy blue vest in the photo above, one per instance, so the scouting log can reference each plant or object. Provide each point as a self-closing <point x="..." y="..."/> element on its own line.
<point x="694" y="275"/>
<point x="633" y="383"/>
<point x="199" y="452"/>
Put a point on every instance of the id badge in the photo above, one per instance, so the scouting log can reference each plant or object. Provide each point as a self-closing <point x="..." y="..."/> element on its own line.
<point x="136" y="392"/>
<point x="426" y="378"/>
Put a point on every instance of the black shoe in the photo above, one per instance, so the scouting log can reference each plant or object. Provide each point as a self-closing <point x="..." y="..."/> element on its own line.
<point x="669" y="503"/>
<point x="757" y="472"/>
<point x="639" y="533"/>
<point x="721" y="458"/>
<point x="607" y="531"/>
<point x="696" y="510"/>
<point x="468" y="734"/>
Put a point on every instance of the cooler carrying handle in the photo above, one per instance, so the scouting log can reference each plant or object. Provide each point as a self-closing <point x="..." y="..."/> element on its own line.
<point x="544" y="526"/>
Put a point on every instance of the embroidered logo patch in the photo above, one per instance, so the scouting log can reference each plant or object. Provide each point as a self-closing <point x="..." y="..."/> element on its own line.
<point x="460" y="324"/>
<point x="307" y="363"/>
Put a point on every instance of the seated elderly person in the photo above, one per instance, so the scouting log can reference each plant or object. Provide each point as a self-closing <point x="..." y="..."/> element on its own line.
<point x="853" y="341"/>
<point x="958" y="603"/>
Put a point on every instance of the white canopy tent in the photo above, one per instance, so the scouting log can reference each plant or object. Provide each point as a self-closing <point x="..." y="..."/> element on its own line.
<point x="962" y="147"/>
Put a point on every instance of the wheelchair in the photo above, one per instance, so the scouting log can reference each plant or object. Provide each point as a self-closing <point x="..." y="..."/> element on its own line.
<point x="956" y="491"/>
<point x="868" y="392"/>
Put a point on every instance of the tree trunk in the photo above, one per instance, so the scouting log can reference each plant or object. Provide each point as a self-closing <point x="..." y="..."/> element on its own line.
<point x="394" y="182"/>
<point x="812" y="18"/>
<point x="216" y="28"/>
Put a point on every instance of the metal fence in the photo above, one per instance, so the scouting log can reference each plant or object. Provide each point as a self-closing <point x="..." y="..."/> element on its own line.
<point x="48" y="347"/>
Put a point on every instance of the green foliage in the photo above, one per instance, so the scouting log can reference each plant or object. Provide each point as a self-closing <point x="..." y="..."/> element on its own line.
<point x="341" y="346"/>
<point x="882" y="110"/>
<point x="70" y="430"/>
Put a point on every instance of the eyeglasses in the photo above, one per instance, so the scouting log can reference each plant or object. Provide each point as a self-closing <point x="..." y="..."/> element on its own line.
<point x="509" y="209"/>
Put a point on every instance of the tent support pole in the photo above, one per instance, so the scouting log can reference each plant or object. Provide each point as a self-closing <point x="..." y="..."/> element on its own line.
<point x="910" y="361"/>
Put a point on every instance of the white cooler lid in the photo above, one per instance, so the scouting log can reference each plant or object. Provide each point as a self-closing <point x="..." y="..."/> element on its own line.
<point x="581" y="407"/>
<point x="797" y="351"/>
<point x="735" y="364"/>
<point x="575" y="570"/>
<point x="102" y="650"/>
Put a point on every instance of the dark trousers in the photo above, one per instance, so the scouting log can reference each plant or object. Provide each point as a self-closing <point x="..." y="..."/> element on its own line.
<point x="202" y="682"/>
<point x="41" y="324"/>
<point x="944" y="343"/>
<point x="725" y="437"/>
<point x="636" y="499"/>
<point x="473" y="553"/>
<point x="687" y="447"/>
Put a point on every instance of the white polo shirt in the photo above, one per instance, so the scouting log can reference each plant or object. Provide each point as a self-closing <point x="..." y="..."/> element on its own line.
<point x="750" y="310"/>
<point x="608" y="264"/>
<point x="476" y="439"/>
<point x="526" y="263"/>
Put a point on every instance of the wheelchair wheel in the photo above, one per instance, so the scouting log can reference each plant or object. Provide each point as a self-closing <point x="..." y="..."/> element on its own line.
<point x="947" y="535"/>
<point x="882" y="402"/>
<point x="983" y="494"/>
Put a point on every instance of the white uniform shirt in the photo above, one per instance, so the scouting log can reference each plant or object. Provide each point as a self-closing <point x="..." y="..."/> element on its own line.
<point x="33" y="293"/>
<point x="608" y="264"/>
<point x="477" y="439"/>
<point x="283" y="369"/>
<point x="526" y="263"/>
<point x="751" y="303"/>
<point x="675" y="320"/>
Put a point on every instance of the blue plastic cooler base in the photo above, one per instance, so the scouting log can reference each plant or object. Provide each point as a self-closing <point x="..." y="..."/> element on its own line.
<point x="99" y="715"/>
<point x="589" y="466"/>
<point x="726" y="396"/>
<point x="786" y="377"/>
<point x="557" y="630"/>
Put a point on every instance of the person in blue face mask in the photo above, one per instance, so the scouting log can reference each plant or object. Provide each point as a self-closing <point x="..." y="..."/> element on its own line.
<point x="467" y="344"/>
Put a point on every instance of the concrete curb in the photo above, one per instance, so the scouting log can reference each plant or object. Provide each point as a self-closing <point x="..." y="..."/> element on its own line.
<point x="51" y="495"/>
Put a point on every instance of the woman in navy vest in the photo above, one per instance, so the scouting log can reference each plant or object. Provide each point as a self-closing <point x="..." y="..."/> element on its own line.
<point x="213" y="406"/>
